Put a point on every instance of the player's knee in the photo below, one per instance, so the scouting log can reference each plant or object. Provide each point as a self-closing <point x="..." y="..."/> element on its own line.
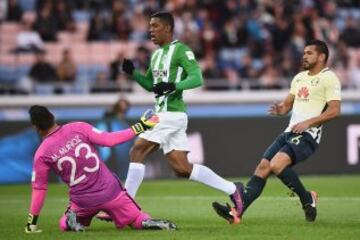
<point x="263" y="169"/>
<point x="276" y="167"/>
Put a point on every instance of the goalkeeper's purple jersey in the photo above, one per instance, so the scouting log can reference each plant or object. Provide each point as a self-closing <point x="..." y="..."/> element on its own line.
<point x="69" y="151"/>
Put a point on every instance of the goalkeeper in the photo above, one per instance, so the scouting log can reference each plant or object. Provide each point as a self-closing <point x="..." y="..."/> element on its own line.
<point x="69" y="151"/>
<point x="172" y="70"/>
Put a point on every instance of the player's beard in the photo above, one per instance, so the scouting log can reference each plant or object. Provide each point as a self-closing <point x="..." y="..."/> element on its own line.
<point x="308" y="66"/>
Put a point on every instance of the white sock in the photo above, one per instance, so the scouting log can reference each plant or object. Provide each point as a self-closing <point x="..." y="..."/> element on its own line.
<point x="206" y="176"/>
<point x="134" y="178"/>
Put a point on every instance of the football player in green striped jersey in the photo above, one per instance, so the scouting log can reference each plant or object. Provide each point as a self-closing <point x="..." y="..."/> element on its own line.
<point x="173" y="69"/>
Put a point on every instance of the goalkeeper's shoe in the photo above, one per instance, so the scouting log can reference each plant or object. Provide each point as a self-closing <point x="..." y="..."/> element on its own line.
<point x="227" y="212"/>
<point x="72" y="223"/>
<point x="103" y="216"/>
<point x="157" y="224"/>
<point x="310" y="208"/>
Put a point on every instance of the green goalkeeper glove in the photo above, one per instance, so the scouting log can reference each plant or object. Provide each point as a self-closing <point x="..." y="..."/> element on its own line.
<point x="147" y="121"/>
<point x="31" y="225"/>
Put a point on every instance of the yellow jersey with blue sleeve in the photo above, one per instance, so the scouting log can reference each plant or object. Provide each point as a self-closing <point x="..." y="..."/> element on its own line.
<point x="311" y="96"/>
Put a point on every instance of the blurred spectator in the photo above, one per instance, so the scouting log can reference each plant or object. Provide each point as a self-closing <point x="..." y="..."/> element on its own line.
<point x="102" y="83"/>
<point x="142" y="58"/>
<point x="139" y="25"/>
<point x="63" y="15"/>
<point x="14" y="11"/>
<point x="121" y="27"/>
<point x="42" y="71"/>
<point x="354" y="72"/>
<point x="270" y="78"/>
<point x="246" y="69"/>
<point x="99" y="28"/>
<point x="115" y="67"/>
<point x="67" y="68"/>
<point x="282" y="30"/>
<point x="46" y="23"/>
<point x="351" y="33"/>
<point x="208" y="38"/>
<point x="151" y="7"/>
<point x="28" y="40"/>
<point x="3" y="10"/>
<point x="209" y="66"/>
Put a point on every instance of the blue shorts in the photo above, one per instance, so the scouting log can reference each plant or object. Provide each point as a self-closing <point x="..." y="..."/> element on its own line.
<point x="298" y="146"/>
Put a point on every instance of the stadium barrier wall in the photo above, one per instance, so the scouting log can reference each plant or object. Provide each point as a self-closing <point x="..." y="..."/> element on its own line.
<point x="231" y="146"/>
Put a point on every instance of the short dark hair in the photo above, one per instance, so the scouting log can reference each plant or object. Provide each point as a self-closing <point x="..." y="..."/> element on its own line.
<point x="41" y="117"/>
<point x="165" y="17"/>
<point x="321" y="47"/>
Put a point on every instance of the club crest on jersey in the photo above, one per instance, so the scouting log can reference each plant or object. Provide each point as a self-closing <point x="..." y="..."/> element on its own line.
<point x="159" y="73"/>
<point x="303" y="93"/>
<point x="315" y="81"/>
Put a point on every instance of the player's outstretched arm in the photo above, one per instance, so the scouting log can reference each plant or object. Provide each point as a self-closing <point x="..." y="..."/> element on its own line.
<point x="144" y="80"/>
<point x="148" y="120"/>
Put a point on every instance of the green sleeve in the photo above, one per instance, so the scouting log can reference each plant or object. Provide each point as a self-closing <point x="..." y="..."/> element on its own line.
<point x="188" y="62"/>
<point x="146" y="81"/>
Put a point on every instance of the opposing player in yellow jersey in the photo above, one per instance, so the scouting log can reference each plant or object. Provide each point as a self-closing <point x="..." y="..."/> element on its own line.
<point x="314" y="99"/>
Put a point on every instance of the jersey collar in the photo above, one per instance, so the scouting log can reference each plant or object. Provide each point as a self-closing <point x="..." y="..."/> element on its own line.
<point x="322" y="71"/>
<point x="168" y="44"/>
<point x="54" y="131"/>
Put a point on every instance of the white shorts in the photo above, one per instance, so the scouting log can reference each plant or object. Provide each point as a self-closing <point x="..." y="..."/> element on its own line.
<point x="170" y="132"/>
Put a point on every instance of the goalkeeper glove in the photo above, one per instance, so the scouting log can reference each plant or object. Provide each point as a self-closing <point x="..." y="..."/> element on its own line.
<point x="148" y="120"/>
<point x="128" y="66"/>
<point x="31" y="225"/>
<point x="164" y="88"/>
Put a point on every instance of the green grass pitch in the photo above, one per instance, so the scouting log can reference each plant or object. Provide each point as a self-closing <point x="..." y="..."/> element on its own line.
<point x="274" y="216"/>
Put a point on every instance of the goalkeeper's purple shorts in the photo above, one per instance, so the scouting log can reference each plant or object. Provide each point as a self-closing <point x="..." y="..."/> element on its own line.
<point x="123" y="210"/>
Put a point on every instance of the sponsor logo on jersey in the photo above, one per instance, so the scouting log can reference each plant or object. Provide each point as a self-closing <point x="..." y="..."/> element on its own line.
<point x="159" y="73"/>
<point x="303" y="94"/>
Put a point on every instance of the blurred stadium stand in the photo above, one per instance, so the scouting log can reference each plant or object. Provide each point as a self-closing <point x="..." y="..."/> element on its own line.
<point x="240" y="44"/>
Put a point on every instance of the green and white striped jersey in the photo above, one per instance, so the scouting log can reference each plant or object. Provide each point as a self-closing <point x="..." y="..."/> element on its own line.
<point x="174" y="62"/>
